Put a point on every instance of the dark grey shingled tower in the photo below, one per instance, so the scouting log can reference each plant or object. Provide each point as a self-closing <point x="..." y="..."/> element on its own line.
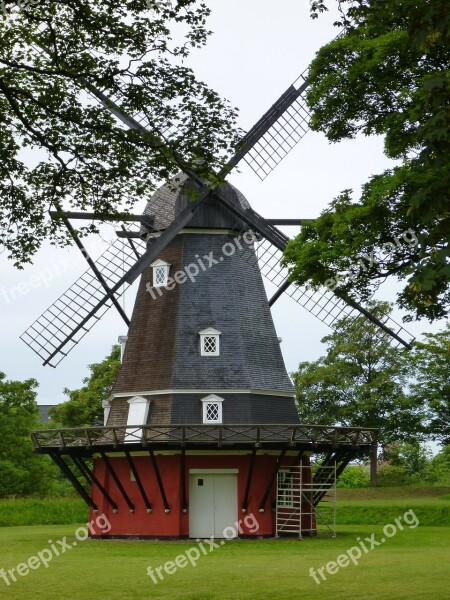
<point x="221" y="290"/>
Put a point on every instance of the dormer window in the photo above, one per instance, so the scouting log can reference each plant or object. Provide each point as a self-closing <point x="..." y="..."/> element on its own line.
<point x="209" y="342"/>
<point x="212" y="409"/>
<point x="137" y="415"/>
<point x="160" y="273"/>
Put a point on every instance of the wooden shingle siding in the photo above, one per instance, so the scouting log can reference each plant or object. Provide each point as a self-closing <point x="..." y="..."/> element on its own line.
<point x="148" y="359"/>
<point x="163" y="347"/>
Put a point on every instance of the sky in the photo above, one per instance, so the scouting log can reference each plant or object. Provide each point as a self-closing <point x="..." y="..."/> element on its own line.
<point x="258" y="49"/>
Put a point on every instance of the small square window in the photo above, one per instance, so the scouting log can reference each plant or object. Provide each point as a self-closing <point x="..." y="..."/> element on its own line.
<point x="160" y="276"/>
<point x="160" y="273"/>
<point x="212" y="409"/>
<point x="210" y="342"/>
<point x="212" y="412"/>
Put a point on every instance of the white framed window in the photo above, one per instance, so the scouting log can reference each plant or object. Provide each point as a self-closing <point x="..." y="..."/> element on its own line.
<point x="285" y="489"/>
<point x="212" y="409"/>
<point x="137" y="415"/>
<point x="160" y="273"/>
<point x="209" y="342"/>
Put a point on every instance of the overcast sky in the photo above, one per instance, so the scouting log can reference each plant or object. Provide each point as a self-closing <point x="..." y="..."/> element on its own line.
<point x="258" y="48"/>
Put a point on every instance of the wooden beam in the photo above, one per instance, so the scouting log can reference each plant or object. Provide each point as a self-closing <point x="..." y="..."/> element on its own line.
<point x="117" y="481"/>
<point x="130" y="235"/>
<point x="373" y="463"/>
<point x="249" y="481"/>
<point x="90" y="477"/>
<point x="147" y="220"/>
<point x="159" y="480"/>
<point x="280" y="291"/>
<point x="272" y="480"/>
<point x="289" y="221"/>
<point x="184" y="505"/>
<point x="138" y="481"/>
<point x="73" y="480"/>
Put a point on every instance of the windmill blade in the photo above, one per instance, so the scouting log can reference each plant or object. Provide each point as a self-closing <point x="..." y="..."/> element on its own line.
<point x="73" y="234"/>
<point x="67" y="321"/>
<point x="57" y="331"/>
<point x="277" y="132"/>
<point x="324" y="304"/>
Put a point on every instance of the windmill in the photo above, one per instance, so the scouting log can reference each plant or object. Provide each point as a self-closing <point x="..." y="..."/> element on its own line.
<point x="188" y="402"/>
<point x="62" y="326"/>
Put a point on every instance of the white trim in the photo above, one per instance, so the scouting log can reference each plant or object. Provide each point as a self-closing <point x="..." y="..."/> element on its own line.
<point x="211" y="333"/>
<point x="106" y="404"/>
<point x="137" y="416"/>
<point x="213" y="471"/>
<point x="122" y="339"/>
<point x="207" y="391"/>
<point x="212" y="399"/>
<point x="160" y="265"/>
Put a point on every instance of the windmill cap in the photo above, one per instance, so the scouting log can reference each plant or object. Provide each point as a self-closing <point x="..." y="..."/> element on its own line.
<point x="172" y="197"/>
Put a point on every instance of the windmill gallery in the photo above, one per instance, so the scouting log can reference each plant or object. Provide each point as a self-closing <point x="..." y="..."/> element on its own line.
<point x="201" y="426"/>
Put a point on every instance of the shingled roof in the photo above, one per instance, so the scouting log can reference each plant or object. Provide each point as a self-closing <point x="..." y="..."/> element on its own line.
<point x="162" y="356"/>
<point x="170" y="198"/>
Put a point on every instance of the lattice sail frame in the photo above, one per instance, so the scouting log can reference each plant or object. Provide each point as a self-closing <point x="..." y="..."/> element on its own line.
<point x="52" y="336"/>
<point x="58" y="323"/>
<point x="285" y="133"/>
<point x="322" y="303"/>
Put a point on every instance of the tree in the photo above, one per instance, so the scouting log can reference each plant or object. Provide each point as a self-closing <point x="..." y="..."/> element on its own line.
<point x="386" y="74"/>
<point x="50" y="52"/>
<point x="21" y="471"/>
<point x="84" y="406"/>
<point x="431" y="386"/>
<point x="361" y="382"/>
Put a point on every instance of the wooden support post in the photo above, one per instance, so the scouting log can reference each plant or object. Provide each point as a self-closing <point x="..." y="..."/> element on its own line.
<point x="89" y="474"/>
<point x="138" y="481"/>
<point x="272" y="480"/>
<point x="184" y="505"/>
<point x="74" y="481"/>
<point x="373" y="463"/>
<point x="117" y="481"/>
<point x="159" y="480"/>
<point x="249" y="481"/>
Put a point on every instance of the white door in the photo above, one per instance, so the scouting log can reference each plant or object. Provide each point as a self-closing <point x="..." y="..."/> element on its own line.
<point x="212" y="504"/>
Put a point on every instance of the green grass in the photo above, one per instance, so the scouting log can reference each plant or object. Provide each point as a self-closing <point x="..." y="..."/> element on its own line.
<point x="376" y="505"/>
<point x="392" y="493"/>
<point x="412" y="564"/>
<point x="42" y="511"/>
<point x="370" y="506"/>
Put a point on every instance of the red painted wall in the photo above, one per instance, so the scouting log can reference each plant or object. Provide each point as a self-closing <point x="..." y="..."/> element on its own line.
<point x="176" y="523"/>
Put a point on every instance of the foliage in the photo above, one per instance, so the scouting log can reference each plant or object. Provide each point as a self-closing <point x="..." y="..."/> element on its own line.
<point x="132" y="51"/>
<point x="432" y="386"/>
<point x="439" y="468"/>
<point x="361" y="382"/>
<point x="354" y="476"/>
<point x="412" y="464"/>
<point x="84" y="406"/>
<point x="42" y="511"/>
<point x="386" y="74"/>
<point x="21" y="471"/>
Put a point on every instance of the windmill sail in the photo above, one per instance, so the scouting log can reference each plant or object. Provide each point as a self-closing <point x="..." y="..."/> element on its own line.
<point x="56" y="332"/>
<point x="324" y="304"/>
<point x="59" y="329"/>
<point x="279" y="130"/>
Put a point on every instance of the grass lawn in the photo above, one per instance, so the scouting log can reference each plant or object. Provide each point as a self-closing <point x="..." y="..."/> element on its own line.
<point x="412" y="564"/>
